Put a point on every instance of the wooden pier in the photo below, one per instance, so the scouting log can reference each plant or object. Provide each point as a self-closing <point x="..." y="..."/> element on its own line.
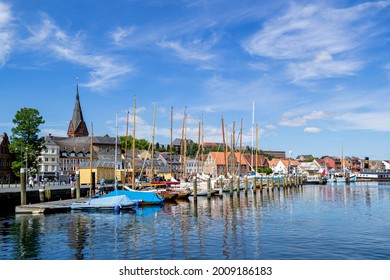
<point x="50" y="207"/>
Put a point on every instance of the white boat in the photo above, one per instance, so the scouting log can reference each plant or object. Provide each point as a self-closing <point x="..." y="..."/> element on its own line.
<point x="117" y="203"/>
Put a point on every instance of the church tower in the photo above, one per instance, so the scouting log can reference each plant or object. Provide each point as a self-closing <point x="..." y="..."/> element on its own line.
<point x="77" y="126"/>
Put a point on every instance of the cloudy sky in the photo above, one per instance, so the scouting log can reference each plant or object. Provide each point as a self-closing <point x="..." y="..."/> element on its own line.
<point x="314" y="74"/>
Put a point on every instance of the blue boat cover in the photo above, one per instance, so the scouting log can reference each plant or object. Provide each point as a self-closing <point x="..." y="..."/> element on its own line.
<point x="141" y="196"/>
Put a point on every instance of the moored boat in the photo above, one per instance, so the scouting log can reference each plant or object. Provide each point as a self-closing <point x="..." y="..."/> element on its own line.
<point x="115" y="202"/>
<point x="144" y="197"/>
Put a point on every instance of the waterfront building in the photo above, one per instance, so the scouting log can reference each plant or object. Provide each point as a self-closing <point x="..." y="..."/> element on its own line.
<point x="285" y="166"/>
<point x="238" y="164"/>
<point x="275" y="154"/>
<point x="303" y="158"/>
<point x="76" y="151"/>
<point x="208" y="146"/>
<point x="102" y="169"/>
<point x="192" y="166"/>
<point x="48" y="166"/>
<point x="215" y="164"/>
<point x="262" y="161"/>
<point x="6" y="174"/>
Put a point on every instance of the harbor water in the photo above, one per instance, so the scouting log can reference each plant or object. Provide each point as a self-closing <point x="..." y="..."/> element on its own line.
<point x="330" y="222"/>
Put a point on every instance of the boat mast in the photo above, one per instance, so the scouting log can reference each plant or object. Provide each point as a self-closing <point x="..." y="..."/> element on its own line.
<point x="133" y="147"/>
<point x="257" y="146"/>
<point x="225" y="149"/>
<point x="182" y="150"/>
<point x="202" y="150"/>
<point x="170" y="147"/>
<point x="116" y="153"/>
<point x="239" y="163"/>
<point x="152" y="156"/>
<point x="233" y="152"/>
<point x="185" y="143"/>
<point x="90" y="161"/>
<point x="342" y="160"/>
<point x="198" y="152"/>
<point x="127" y="136"/>
<point x="253" y="128"/>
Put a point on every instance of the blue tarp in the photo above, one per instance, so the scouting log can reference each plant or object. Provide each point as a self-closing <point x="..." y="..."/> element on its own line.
<point x="141" y="196"/>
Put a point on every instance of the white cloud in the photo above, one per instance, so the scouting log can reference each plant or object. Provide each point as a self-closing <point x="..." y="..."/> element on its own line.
<point x="56" y="132"/>
<point x="291" y="119"/>
<point x="374" y="121"/>
<point x="105" y="69"/>
<point x="312" y="130"/>
<point x="270" y="126"/>
<point x="121" y="34"/>
<point x="315" y="39"/>
<point x="195" y="50"/>
<point x="190" y="52"/>
<point x="6" y="33"/>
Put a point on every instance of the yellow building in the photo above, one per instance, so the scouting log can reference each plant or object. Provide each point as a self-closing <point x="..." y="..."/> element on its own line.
<point x="102" y="170"/>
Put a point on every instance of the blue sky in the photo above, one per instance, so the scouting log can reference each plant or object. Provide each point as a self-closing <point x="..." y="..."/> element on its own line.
<point x="318" y="72"/>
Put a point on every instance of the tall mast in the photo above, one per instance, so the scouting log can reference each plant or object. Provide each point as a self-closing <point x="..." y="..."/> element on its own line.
<point x="257" y="146"/>
<point x="233" y="153"/>
<point x="116" y="152"/>
<point x="197" y="164"/>
<point x="185" y="143"/>
<point x="342" y="160"/>
<point x="202" y="144"/>
<point x="127" y="136"/>
<point x="152" y="156"/>
<point x="225" y="148"/>
<point x="182" y="147"/>
<point x="239" y="163"/>
<point x="253" y="128"/>
<point x="170" y="146"/>
<point x="90" y="160"/>
<point x="133" y="146"/>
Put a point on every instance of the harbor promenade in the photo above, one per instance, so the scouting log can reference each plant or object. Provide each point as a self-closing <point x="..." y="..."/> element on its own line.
<point x="10" y="196"/>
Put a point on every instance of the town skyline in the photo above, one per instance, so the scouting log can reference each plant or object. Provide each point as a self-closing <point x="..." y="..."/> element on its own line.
<point x="314" y="75"/>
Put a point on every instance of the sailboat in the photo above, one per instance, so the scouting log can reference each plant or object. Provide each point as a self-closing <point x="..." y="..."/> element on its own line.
<point x="111" y="201"/>
<point x="344" y="178"/>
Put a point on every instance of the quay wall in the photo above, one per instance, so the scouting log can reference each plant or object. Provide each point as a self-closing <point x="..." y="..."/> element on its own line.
<point x="9" y="200"/>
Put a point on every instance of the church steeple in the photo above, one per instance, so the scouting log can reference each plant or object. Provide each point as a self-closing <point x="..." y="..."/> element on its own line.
<point x="77" y="126"/>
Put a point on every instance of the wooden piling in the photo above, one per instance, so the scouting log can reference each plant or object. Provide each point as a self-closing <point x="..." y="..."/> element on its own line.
<point x="208" y="187"/>
<point x="23" y="182"/>
<point x="231" y="186"/>
<point x="195" y="189"/>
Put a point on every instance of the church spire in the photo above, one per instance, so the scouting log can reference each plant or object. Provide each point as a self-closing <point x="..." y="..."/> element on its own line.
<point x="77" y="126"/>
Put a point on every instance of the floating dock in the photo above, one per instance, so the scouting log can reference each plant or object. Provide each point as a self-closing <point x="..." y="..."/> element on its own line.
<point x="50" y="207"/>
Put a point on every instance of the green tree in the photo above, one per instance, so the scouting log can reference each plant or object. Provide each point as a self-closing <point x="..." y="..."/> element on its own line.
<point x="141" y="144"/>
<point x="25" y="142"/>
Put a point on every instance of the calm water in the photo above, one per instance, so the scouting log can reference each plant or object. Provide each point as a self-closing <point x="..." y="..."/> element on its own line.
<point x="314" y="222"/>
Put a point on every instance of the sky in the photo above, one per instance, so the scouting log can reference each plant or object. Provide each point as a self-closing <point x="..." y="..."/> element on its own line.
<point x="314" y="76"/>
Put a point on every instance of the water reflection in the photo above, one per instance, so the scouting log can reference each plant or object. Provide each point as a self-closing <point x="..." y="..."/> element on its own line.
<point x="311" y="222"/>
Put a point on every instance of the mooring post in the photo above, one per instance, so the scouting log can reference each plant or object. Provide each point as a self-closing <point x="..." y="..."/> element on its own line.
<point x="23" y="193"/>
<point x="221" y="187"/>
<point x="231" y="185"/>
<point x="246" y="184"/>
<point x="77" y="184"/>
<point x="195" y="189"/>
<point x="208" y="187"/>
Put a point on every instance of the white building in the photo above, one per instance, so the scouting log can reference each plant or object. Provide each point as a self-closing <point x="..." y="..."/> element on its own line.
<point x="49" y="160"/>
